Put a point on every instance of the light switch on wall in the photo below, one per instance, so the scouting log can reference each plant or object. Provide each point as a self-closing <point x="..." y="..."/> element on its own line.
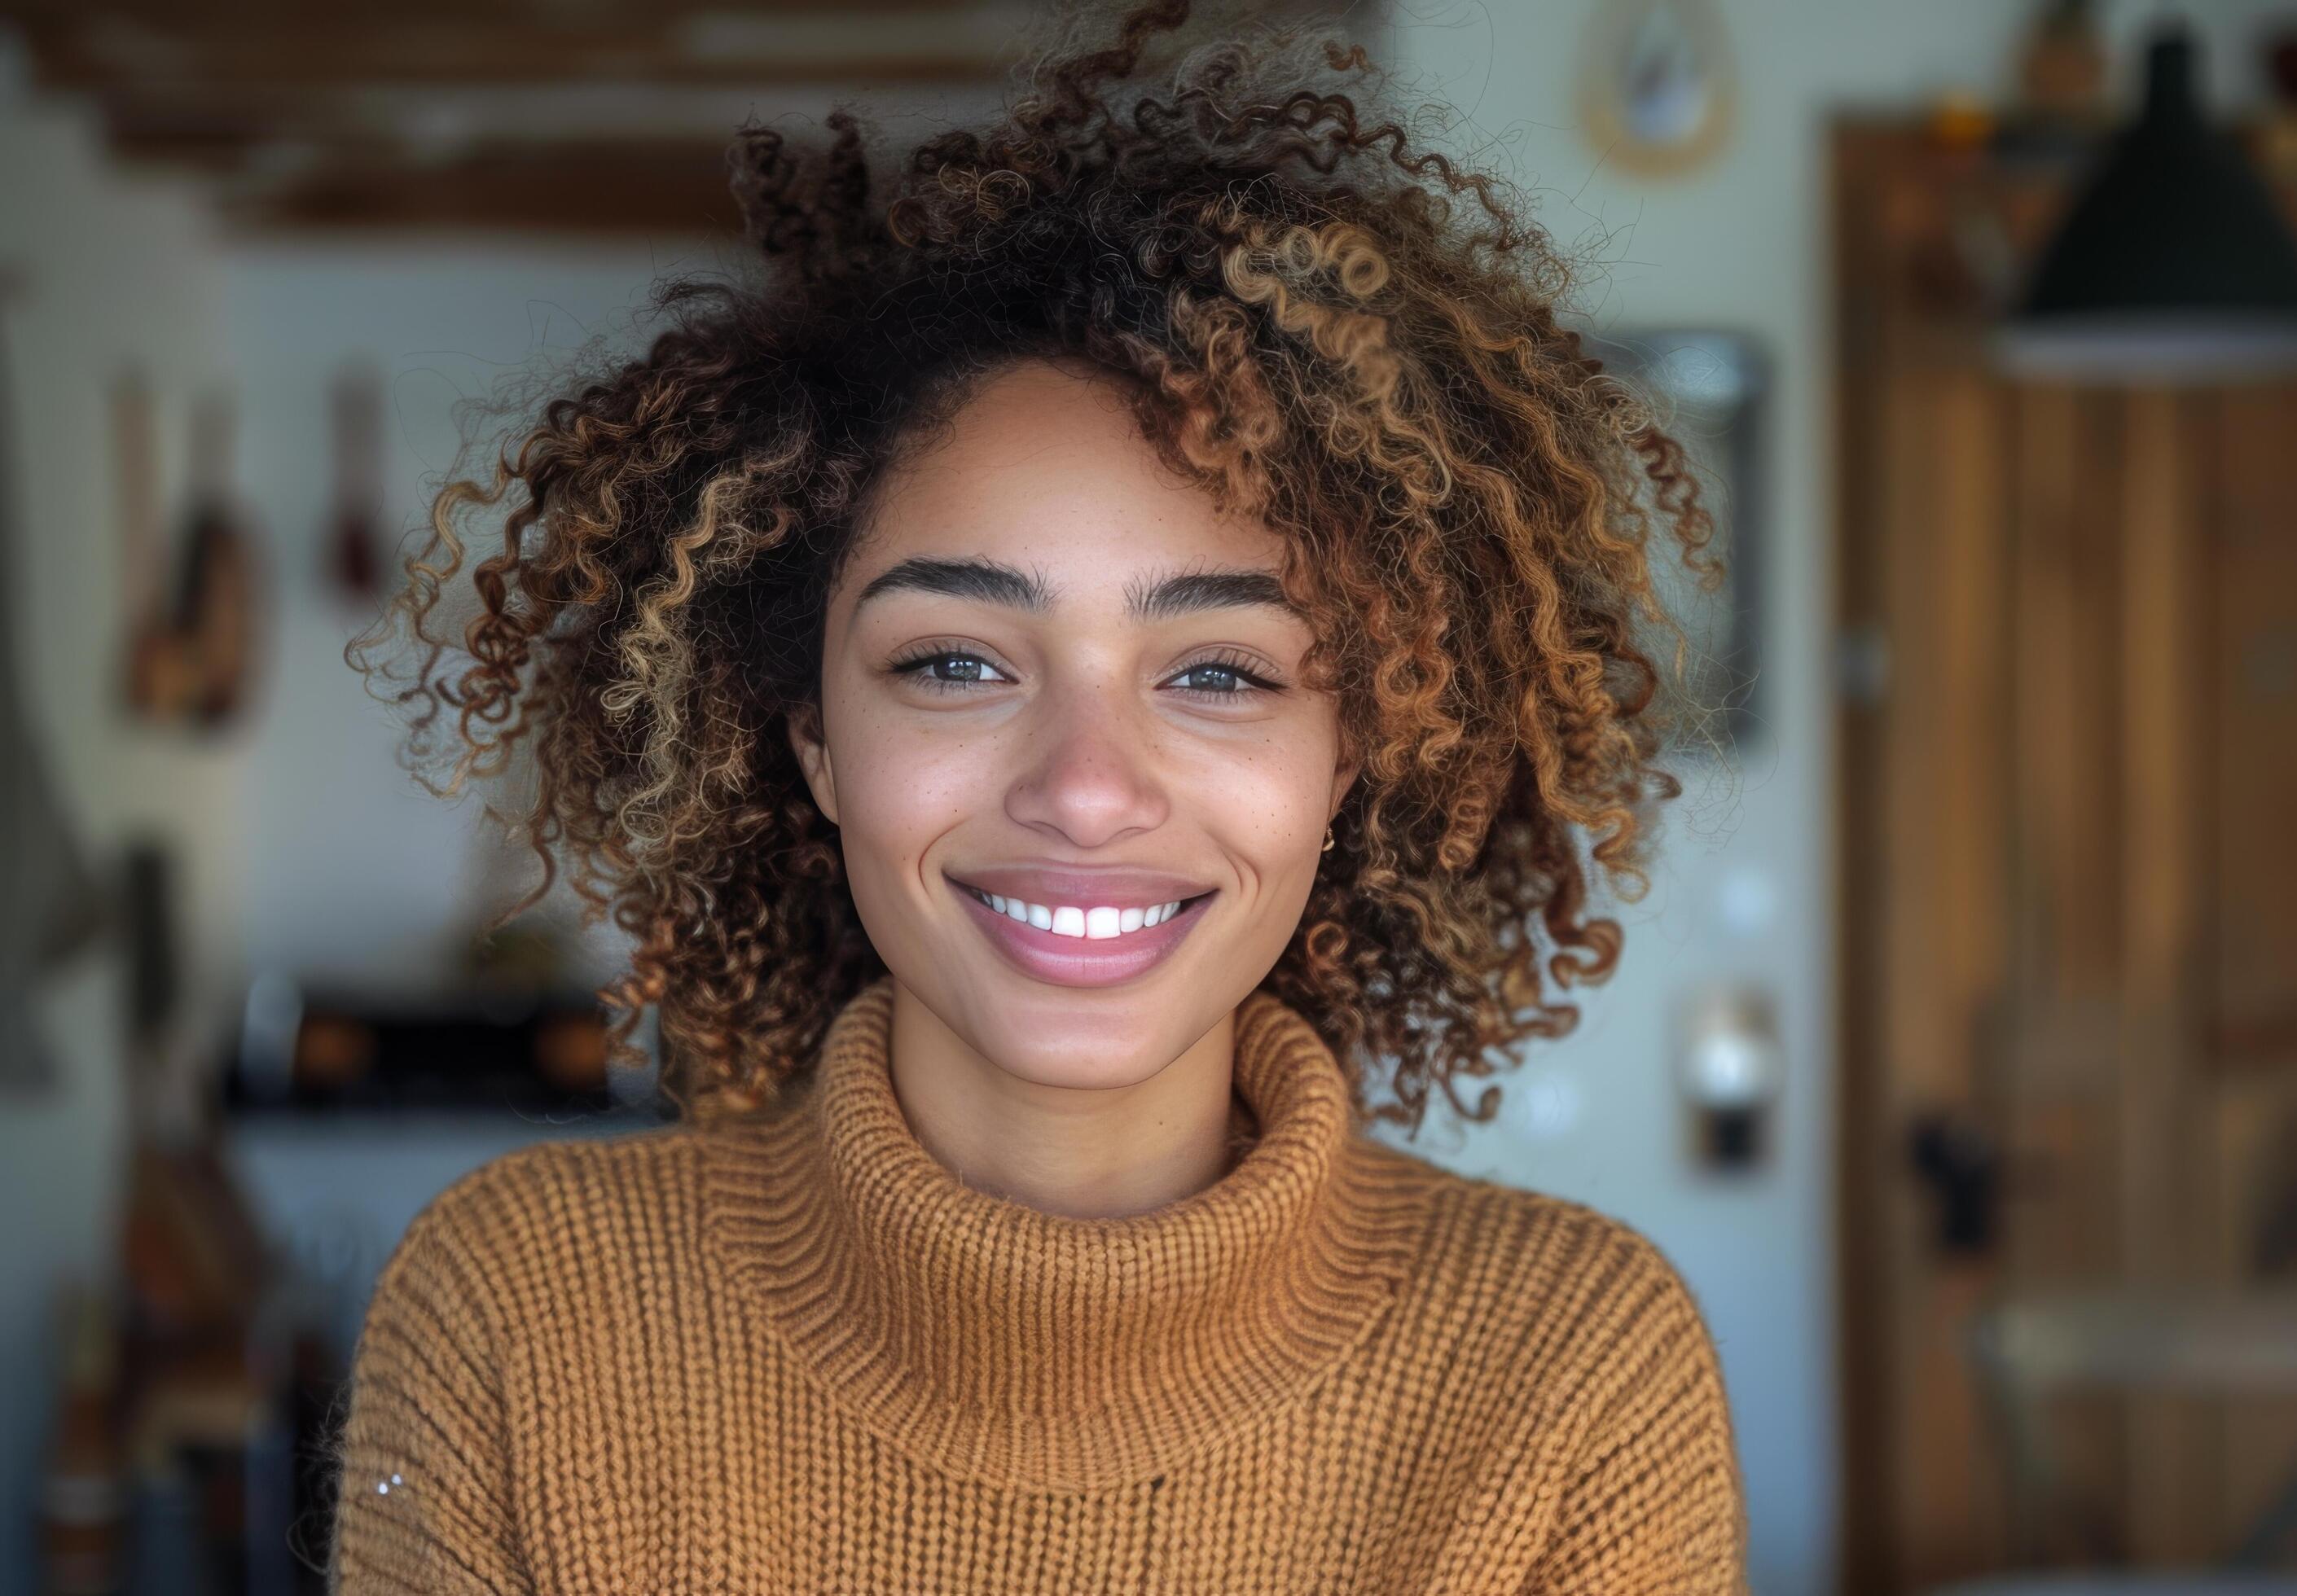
<point x="1730" y="1067"/>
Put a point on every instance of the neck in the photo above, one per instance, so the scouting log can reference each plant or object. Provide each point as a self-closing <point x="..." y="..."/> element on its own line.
<point x="1085" y="1152"/>
<point x="1019" y="1344"/>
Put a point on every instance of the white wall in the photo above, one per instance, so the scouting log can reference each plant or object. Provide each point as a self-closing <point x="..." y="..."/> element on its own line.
<point x="354" y="871"/>
<point x="114" y="270"/>
<point x="1746" y="888"/>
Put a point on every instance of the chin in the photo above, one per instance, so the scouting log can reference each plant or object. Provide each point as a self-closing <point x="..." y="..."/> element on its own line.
<point x="1084" y="1036"/>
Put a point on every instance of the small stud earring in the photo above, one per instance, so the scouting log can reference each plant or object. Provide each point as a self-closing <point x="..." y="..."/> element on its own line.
<point x="1329" y="840"/>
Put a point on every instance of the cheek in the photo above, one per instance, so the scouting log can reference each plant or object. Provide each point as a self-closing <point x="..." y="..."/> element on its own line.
<point x="1267" y="807"/>
<point x="897" y="793"/>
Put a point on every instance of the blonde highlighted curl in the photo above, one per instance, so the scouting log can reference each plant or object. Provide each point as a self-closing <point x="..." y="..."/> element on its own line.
<point x="1307" y="325"/>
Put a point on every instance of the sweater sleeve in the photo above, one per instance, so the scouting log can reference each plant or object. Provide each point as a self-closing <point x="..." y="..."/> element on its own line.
<point x="424" y="1500"/>
<point x="1654" y="1505"/>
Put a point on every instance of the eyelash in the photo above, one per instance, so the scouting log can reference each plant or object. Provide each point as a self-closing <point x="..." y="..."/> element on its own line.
<point x="914" y="666"/>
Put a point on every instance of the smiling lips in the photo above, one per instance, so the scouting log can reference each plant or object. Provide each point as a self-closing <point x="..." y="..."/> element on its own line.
<point x="1069" y="919"/>
<point x="1083" y="928"/>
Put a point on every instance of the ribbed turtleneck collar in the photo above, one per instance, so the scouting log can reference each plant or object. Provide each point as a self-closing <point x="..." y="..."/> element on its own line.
<point x="1001" y="1342"/>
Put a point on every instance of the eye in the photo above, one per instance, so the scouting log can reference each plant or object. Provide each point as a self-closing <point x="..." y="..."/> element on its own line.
<point x="1224" y="666"/>
<point x="925" y="668"/>
<point x="967" y="671"/>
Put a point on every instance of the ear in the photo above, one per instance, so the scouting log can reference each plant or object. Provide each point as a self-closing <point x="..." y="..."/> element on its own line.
<point x="1343" y="776"/>
<point x="812" y="750"/>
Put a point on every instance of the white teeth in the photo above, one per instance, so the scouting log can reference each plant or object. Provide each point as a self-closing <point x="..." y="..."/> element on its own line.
<point x="1100" y="922"/>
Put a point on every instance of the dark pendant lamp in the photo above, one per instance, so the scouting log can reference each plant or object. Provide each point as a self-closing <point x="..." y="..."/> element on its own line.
<point x="2174" y="265"/>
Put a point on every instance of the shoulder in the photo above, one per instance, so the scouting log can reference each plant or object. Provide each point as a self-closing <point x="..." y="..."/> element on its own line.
<point x="1559" y="1294"/>
<point x="1535" y="1238"/>
<point x="539" y="1209"/>
<point x="583" y="1181"/>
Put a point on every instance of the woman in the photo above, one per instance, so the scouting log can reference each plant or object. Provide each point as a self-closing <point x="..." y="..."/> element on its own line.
<point x="1059" y="679"/>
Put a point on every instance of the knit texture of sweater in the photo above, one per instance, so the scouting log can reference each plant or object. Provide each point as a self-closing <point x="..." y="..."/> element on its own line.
<point x="801" y="1354"/>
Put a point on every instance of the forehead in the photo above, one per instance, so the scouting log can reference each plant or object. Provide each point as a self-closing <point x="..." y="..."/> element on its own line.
<point x="1045" y="469"/>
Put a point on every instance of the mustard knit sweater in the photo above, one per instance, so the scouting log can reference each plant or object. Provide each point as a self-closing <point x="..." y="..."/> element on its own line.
<point x="801" y="1355"/>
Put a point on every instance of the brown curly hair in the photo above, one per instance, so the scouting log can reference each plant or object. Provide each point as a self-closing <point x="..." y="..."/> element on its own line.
<point x="1305" y="327"/>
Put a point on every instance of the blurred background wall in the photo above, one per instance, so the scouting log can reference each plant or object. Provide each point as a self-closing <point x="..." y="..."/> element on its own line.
<point x="306" y="863"/>
<point x="128" y="268"/>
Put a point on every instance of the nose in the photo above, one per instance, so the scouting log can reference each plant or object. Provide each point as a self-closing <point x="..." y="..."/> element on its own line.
<point x="1087" y="767"/>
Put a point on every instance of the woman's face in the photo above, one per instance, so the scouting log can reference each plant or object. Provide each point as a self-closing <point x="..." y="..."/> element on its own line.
<point x="1053" y="673"/>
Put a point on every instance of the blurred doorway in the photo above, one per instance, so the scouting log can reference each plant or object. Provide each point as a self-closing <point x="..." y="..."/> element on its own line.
<point x="2068" y="781"/>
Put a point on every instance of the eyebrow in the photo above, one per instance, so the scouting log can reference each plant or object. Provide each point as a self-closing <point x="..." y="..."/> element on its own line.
<point x="992" y="582"/>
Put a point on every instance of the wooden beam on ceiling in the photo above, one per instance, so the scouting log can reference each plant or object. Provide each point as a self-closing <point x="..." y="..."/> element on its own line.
<point x="538" y="14"/>
<point x="871" y="43"/>
<point x="213" y="131"/>
<point x="584" y="116"/>
<point x="623" y="188"/>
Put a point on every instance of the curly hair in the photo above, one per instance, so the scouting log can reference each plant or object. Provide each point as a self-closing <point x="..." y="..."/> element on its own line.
<point x="1305" y="324"/>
